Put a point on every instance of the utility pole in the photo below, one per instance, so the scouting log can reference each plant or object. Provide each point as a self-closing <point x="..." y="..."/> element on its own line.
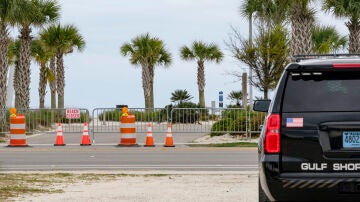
<point x="250" y="70"/>
<point x="244" y="89"/>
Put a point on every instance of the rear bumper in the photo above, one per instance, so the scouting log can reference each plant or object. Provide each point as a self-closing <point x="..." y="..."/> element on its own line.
<point x="309" y="186"/>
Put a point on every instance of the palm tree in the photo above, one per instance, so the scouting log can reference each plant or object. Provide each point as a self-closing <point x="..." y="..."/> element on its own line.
<point x="64" y="39"/>
<point x="14" y="49"/>
<point x="6" y="21"/>
<point x="270" y="12"/>
<point x="201" y="52"/>
<point x="326" y="39"/>
<point x="235" y="96"/>
<point x="49" y="40"/>
<point x="275" y="12"/>
<point x="42" y="55"/>
<point x="302" y="18"/>
<point x="180" y="96"/>
<point x="147" y="52"/>
<point x="347" y="9"/>
<point x="34" y="13"/>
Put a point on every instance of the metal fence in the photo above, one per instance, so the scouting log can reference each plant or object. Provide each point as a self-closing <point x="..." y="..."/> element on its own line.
<point x="46" y="120"/>
<point x="209" y="120"/>
<point x="105" y="122"/>
<point x="216" y="121"/>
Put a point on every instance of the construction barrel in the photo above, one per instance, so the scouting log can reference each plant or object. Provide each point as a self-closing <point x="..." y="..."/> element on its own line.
<point x="128" y="130"/>
<point x="17" y="131"/>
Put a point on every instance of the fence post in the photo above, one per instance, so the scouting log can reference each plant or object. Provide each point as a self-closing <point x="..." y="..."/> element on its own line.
<point x="246" y="123"/>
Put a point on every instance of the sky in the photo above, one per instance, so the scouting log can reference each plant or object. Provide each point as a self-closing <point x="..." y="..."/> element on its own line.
<point x="100" y="77"/>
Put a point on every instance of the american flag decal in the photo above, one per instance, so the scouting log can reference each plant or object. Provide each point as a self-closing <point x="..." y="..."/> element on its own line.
<point x="295" y="122"/>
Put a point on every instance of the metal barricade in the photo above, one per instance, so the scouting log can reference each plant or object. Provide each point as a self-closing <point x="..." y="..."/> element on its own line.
<point x="256" y="121"/>
<point x="104" y="124"/>
<point x="46" y="120"/>
<point x="107" y="120"/>
<point x="209" y="120"/>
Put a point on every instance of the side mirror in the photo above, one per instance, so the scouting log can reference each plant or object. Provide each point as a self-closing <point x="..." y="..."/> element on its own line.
<point x="261" y="105"/>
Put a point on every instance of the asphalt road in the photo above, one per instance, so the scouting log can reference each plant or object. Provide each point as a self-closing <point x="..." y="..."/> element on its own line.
<point x="119" y="158"/>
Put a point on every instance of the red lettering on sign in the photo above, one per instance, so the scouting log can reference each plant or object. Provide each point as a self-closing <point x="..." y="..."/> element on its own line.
<point x="72" y="113"/>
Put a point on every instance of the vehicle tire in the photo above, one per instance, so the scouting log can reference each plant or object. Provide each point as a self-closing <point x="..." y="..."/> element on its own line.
<point x="262" y="196"/>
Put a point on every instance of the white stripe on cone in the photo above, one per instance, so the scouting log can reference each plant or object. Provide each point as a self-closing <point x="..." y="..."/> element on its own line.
<point x="17" y="126"/>
<point x="149" y="133"/>
<point x="18" y="137"/>
<point x="127" y="126"/>
<point x="127" y="135"/>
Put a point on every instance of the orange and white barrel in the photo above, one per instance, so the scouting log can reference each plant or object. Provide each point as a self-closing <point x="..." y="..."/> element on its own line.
<point x="127" y="131"/>
<point x="17" y="131"/>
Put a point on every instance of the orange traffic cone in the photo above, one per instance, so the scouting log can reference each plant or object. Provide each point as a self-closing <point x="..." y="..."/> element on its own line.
<point x="59" y="136"/>
<point x="85" y="137"/>
<point x="149" y="137"/>
<point x="169" y="140"/>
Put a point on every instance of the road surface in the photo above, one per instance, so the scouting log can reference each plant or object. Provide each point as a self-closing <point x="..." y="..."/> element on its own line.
<point x="119" y="158"/>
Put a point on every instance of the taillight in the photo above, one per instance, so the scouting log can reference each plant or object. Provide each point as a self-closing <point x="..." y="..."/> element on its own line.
<point x="272" y="134"/>
<point x="346" y="66"/>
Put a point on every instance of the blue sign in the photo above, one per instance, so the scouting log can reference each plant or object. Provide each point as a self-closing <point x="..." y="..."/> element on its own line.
<point x="221" y="98"/>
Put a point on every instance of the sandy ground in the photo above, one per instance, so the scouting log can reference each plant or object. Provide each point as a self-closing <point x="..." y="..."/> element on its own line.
<point x="221" y="139"/>
<point x="176" y="186"/>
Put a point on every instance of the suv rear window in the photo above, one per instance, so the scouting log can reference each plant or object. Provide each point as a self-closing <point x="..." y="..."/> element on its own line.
<point x="322" y="91"/>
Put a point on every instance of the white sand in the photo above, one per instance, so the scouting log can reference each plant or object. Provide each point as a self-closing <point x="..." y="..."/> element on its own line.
<point x="221" y="139"/>
<point x="177" y="186"/>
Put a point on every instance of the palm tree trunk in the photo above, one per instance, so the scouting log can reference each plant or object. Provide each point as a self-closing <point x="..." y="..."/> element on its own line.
<point x="201" y="83"/>
<point x="17" y="84"/>
<point x="147" y="82"/>
<point x="60" y="74"/>
<point x="354" y="35"/>
<point x="152" y="87"/>
<point x="4" y="45"/>
<point x="42" y="85"/>
<point x="301" y="31"/>
<point x="53" y="83"/>
<point x="24" y="67"/>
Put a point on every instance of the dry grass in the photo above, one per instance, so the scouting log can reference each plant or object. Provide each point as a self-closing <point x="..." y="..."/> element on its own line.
<point x="14" y="184"/>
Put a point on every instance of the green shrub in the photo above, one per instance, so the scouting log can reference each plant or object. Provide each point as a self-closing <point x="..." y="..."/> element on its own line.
<point x="233" y="113"/>
<point x="235" y="120"/>
<point x="149" y="115"/>
<point x="238" y="125"/>
<point x="110" y="115"/>
<point x="219" y="127"/>
<point x="188" y="113"/>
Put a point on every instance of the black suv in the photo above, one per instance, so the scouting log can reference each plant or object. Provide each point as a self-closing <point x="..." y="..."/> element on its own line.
<point x="309" y="147"/>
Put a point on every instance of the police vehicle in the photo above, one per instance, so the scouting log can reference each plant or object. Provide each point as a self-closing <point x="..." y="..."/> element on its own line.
<point x="309" y="147"/>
